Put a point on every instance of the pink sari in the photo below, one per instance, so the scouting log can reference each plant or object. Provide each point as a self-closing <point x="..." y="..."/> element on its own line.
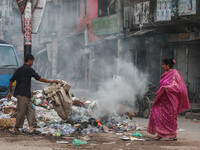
<point x="163" y="118"/>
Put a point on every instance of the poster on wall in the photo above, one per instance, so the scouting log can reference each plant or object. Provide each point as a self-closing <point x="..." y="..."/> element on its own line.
<point x="174" y="7"/>
<point x="164" y="8"/>
<point x="141" y="13"/>
<point x="187" y="7"/>
<point x="168" y="8"/>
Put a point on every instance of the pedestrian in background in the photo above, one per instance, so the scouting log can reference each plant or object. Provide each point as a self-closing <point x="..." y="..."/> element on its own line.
<point x="22" y="92"/>
<point x="171" y="99"/>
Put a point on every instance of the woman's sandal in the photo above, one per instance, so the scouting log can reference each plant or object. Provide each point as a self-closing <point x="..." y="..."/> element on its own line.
<point x="171" y="139"/>
<point x="157" y="138"/>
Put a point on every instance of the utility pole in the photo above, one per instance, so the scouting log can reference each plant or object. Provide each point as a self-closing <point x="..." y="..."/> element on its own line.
<point x="27" y="28"/>
<point x="31" y="20"/>
<point x="87" y="67"/>
<point x="25" y="7"/>
<point x="120" y="31"/>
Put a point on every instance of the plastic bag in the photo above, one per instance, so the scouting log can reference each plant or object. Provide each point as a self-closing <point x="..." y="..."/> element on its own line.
<point x="137" y="134"/>
<point x="57" y="134"/>
<point x="78" y="142"/>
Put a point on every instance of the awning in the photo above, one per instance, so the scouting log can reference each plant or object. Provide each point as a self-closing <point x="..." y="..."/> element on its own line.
<point x="139" y="33"/>
<point x="111" y="37"/>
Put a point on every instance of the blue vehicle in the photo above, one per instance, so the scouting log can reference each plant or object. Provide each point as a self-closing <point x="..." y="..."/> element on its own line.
<point x="8" y="65"/>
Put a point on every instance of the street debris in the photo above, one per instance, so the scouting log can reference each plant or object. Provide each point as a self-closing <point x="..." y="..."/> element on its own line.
<point x="125" y="138"/>
<point x="136" y="139"/>
<point x="62" y="142"/>
<point x="109" y="143"/>
<point x="85" y="138"/>
<point x="182" y="130"/>
<point x="137" y="134"/>
<point x="78" y="142"/>
<point x="59" y="113"/>
<point x="40" y="99"/>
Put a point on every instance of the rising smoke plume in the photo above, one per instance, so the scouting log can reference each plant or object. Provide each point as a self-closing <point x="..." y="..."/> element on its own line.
<point x="125" y="88"/>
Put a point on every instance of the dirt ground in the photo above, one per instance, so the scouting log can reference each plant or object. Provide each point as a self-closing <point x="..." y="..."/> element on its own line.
<point x="188" y="139"/>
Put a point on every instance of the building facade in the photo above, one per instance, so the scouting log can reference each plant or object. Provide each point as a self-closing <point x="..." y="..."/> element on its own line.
<point x="152" y="31"/>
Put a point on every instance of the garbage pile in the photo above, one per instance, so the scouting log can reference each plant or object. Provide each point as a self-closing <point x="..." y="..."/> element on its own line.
<point x="40" y="99"/>
<point x="55" y="105"/>
<point x="7" y="110"/>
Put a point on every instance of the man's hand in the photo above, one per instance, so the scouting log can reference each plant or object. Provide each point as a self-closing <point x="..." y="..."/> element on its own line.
<point x="9" y="95"/>
<point x="55" y="81"/>
<point x="48" y="81"/>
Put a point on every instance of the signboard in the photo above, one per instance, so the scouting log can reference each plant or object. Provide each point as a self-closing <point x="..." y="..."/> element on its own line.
<point x="105" y="25"/>
<point x="187" y="36"/>
<point x="37" y="15"/>
<point x="164" y="8"/>
<point x="187" y="7"/>
<point x="141" y="13"/>
<point x="182" y="37"/>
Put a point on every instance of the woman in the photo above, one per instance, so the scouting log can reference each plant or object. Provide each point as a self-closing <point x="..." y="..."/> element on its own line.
<point x="171" y="99"/>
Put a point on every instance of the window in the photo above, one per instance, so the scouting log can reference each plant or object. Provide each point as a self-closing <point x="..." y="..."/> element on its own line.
<point x="7" y="57"/>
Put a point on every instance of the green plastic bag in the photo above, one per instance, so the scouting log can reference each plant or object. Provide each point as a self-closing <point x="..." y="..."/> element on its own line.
<point x="78" y="142"/>
<point x="57" y="134"/>
<point x="137" y="134"/>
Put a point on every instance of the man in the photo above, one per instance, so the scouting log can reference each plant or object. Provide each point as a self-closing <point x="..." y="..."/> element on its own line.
<point x="22" y="91"/>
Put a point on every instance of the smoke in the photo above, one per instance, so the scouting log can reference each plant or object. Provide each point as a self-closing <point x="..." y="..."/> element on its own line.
<point x="55" y="26"/>
<point x="125" y="88"/>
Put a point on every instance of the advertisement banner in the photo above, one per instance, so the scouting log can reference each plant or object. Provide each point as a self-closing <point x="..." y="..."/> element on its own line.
<point x="164" y="8"/>
<point x="141" y="13"/>
<point x="187" y="7"/>
<point x="37" y="15"/>
<point x="168" y="8"/>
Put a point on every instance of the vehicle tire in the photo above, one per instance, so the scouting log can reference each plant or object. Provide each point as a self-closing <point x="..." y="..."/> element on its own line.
<point x="147" y="107"/>
<point x="146" y="113"/>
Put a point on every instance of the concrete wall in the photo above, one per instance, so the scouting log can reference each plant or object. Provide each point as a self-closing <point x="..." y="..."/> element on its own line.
<point x="194" y="67"/>
<point x="181" y="61"/>
<point x="188" y="65"/>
